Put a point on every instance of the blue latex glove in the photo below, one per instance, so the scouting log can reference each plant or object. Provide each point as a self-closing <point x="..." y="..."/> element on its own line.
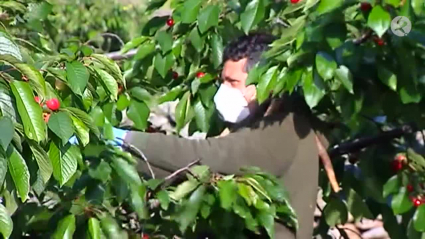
<point x="119" y="134"/>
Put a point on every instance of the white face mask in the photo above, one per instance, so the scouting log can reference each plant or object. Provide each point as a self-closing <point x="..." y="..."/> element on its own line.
<point x="231" y="104"/>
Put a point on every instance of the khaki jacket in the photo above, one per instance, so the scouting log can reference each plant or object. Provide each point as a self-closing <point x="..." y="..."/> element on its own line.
<point x="282" y="144"/>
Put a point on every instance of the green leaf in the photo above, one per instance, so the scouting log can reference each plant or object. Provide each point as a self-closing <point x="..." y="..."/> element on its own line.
<point x="344" y="75"/>
<point x="141" y="94"/>
<point x="126" y="171"/>
<point x="144" y="50"/>
<point x="207" y="92"/>
<point x="254" y="75"/>
<point x="64" y="161"/>
<point x="111" y="228"/>
<point x="357" y="206"/>
<point x="190" y="12"/>
<point x="111" y="66"/>
<point x="202" y="116"/>
<point x="8" y="47"/>
<point x="379" y="20"/>
<point x="326" y="6"/>
<point x="335" y="212"/>
<point x="109" y="83"/>
<point x="123" y="102"/>
<point x="77" y="76"/>
<point x="82" y="131"/>
<point x="7" y="104"/>
<point x="139" y="112"/>
<point x="183" y="189"/>
<point x="85" y="118"/>
<point x="42" y="158"/>
<point x="217" y="50"/>
<point x="66" y="228"/>
<point x="228" y="192"/>
<point x="419" y="219"/>
<point x="20" y="174"/>
<point x="391" y="186"/>
<point x="170" y="95"/>
<point x="400" y="202"/>
<point x="182" y="111"/>
<point x="266" y="84"/>
<point x="418" y="7"/>
<point x="6" y="223"/>
<point x="3" y="167"/>
<point x="191" y="208"/>
<point x="164" y="199"/>
<point x="165" y="40"/>
<point x="208" y="17"/>
<point x="325" y="65"/>
<point x="387" y="77"/>
<point x="61" y="124"/>
<point x="29" y="110"/>
<point x="94" y="228"/>
<point x="196" y="40"/>
<point x="253" y="14"/>
<point x="312" y="91"/>
<point x="163" y="64"/>
<point x="138" y="195"/>
<point x="409" y="94"/>
<point x="266" y="220"/>
<point x="135" y="42"/>
<point x="7" y="131"/>
<point x="395" y="3"/>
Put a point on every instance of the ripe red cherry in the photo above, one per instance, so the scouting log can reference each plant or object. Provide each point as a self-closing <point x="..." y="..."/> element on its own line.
<point x="365" y="6"/>
<point x="145" y="236"/>
<point x="170" y="22"/>
<point x="379" y="41"/>
<point x="53" y="104"/>
<point x="410" y="188"/>
<point x="417" y="202"/>
<point x="175" y="75"/>
<point x="37" y="99"/>
<point x="397" y="165"/>
<point x="200" y="74"/>
<point x="294" y="1"/>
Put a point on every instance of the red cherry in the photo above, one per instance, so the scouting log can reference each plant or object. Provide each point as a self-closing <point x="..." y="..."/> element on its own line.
<point x="417" y="202"/>
<point x="294" y="1"/>
<point x="46" y="117"/>
<point x="120" y="88"/>
<point x="365" y="6"/>
<point x="53" y="104"/>
<point x="145" y="236"/>
<point x="401" y="157"/>
<point x="397" y="165"/>
<point x="200" y="74"/>
<point x="175" y="75"/>
<point x="170" y="22"/>
<point x="37" y="99"/>
<point x="379" y="41"/>
<point x="410" y="188"/>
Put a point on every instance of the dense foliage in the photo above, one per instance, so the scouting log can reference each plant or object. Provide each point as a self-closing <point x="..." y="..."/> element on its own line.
<point x="340" y="55"/>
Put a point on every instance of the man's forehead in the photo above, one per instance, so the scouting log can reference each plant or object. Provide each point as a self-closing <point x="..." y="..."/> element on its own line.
<point x="231" y="67"/>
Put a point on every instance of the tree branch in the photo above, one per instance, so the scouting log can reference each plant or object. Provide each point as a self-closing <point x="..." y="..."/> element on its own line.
<point x="327" y="164"/>
<point x="118" y="55"/>
<point x="358" y="144"/>
<point x="179" y="171"/>
<point x="130" y="147"/>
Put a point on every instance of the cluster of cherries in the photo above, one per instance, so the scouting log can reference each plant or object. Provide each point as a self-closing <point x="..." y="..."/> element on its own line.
<point x="399" y="164"/>
<point x="52" y="104"/>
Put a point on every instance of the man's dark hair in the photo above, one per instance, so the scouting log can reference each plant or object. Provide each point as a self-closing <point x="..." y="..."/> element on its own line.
<point x="248" y="46"/>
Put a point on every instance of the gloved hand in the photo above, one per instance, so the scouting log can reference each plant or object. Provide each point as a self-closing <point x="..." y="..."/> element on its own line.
<point x="119" y="135"/>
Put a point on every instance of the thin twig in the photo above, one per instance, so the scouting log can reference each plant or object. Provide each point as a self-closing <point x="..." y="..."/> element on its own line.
<point x="363" y="38"/>
<point x="141" y="154"/>
<point x="108" y="34"/>
<point x="118" y="55"/>
<point x="186" y="168"/>
<point x="327" y="164"/>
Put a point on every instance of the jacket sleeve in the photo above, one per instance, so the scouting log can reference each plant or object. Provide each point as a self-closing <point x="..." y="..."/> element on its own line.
<point x="270" y="146"/>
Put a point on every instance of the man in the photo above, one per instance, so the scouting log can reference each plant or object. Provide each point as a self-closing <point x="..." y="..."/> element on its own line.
<point x="282" y="142"/>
